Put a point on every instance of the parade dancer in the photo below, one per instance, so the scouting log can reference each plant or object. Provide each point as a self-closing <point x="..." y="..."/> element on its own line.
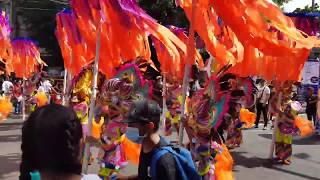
<point x="286" y="129"/>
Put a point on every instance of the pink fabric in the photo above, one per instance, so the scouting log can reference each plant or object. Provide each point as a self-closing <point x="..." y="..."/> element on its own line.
<point x="309" y="25"/>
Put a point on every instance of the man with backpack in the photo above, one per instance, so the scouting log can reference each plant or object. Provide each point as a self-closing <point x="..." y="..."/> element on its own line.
<point x="158" y="159"/>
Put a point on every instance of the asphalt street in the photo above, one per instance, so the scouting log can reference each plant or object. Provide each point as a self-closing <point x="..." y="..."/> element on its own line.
<point x="251" y="159"/>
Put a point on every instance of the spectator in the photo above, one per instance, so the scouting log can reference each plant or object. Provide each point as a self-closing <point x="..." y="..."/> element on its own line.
<point x="7" y="87"/>
<point x="51" y="141"/>
<point x="143" y="121"/>
<point x="311" y="108"/>
<point x="17" y="96"/>
<point x="262" y="102"/>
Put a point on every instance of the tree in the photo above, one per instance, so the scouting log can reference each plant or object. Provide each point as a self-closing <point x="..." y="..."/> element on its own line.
<point x="35" y="19"/>
<point x="280" y="3"/>
<point x="165" y="12"/>
<point x="308" y="9"/>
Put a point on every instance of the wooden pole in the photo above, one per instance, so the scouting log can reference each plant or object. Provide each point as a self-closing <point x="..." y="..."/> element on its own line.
<point x="24" y="99"/>
<point x="92" y="98"/>
<point x="65" y="96"/>
<point x="164" y="106"/>
<point x="23" y="91"/>
<point x="189" y="56"/>
<point x="64" y="87"/>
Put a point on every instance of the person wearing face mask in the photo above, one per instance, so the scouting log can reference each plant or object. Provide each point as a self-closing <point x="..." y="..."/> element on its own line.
<point x="143" y="123"/>
<point x="262" y="103"/>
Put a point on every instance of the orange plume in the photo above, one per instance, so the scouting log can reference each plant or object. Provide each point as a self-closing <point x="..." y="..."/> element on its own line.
<point x="5" y="108"/>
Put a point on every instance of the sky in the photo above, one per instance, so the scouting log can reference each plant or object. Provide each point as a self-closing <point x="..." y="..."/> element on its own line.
<point x="292" y="5"/>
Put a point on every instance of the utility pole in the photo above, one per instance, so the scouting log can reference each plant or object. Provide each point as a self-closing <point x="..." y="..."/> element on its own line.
<point x="313" y="5"/>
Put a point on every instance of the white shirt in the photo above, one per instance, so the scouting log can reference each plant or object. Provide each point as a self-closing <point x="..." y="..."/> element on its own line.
<point x="46" y="85"/>
<point x="264" y="94"/>
<point x="7" y="87"/>
<point x="40" y="89"/>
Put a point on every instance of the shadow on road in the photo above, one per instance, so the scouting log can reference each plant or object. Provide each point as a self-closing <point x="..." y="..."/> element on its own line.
<point x="305" y="157"/>
<point x="254" y="162"/>
<point x="9" y="163"/>
<point x="249" y="162"/>
<point x="312" y="140"/>
<point x="7" y="126"/>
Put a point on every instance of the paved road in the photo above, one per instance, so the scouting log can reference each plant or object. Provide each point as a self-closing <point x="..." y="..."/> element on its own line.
<point x="251" y="159"/>
<point x="10" y="140"/>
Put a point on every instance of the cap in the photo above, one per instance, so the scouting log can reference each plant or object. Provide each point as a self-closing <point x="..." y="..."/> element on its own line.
<point x="143" y="110"/>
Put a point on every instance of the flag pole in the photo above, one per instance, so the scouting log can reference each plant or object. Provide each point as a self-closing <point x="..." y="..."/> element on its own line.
<point x="92" y="98"/>
<point x="189" y="56"/>
<point x="24" y="91"/>
<point x="164" y="106"/>
<point x="23" y="98"/>
<point x="65" y="96"/>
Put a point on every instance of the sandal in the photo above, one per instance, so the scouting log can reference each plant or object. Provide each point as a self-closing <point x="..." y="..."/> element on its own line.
<point x="287" y="162"/>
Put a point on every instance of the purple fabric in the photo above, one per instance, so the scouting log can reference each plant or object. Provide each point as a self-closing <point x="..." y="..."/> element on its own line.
<point x="309" y="25"/>
<point x="287" y="129"/>
<point x="5" y="27"/>
<point x="85" y="130"/>
<point x="132" y="7"/>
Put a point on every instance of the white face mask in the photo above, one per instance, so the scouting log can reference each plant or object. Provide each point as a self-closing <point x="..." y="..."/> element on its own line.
<point x="133" y="135"/>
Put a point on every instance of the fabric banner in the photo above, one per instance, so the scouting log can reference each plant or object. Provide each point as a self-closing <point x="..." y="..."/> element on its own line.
<point x="310" y="73"/>
<point x="306" y="22"/>
<point x="309" y="25"/>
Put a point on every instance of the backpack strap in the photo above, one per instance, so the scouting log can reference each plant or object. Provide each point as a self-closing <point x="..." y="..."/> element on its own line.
<point x="159" y="153"/>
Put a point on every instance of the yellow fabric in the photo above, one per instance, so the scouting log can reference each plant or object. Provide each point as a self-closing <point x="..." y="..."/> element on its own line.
<point x="83" y="86"/>
<point x="84" y="120"/>
<point x="168" y="115"/>
<point x="176" y="119"/>
<point x="287" y="139"/>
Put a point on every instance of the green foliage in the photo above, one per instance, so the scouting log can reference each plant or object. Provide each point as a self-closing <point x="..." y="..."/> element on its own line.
<point x="308" y="9"/>
<point x="280" y="2"/>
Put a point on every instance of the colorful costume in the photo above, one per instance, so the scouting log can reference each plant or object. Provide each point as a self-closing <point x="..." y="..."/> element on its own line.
<point x="173" y="115"/>
<point x="111" y="155"/>
<point x="286" y="129"/>
<point x="117" y="95"/>
<point x="207" y="108"/>
<point x="234" y="136"/>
